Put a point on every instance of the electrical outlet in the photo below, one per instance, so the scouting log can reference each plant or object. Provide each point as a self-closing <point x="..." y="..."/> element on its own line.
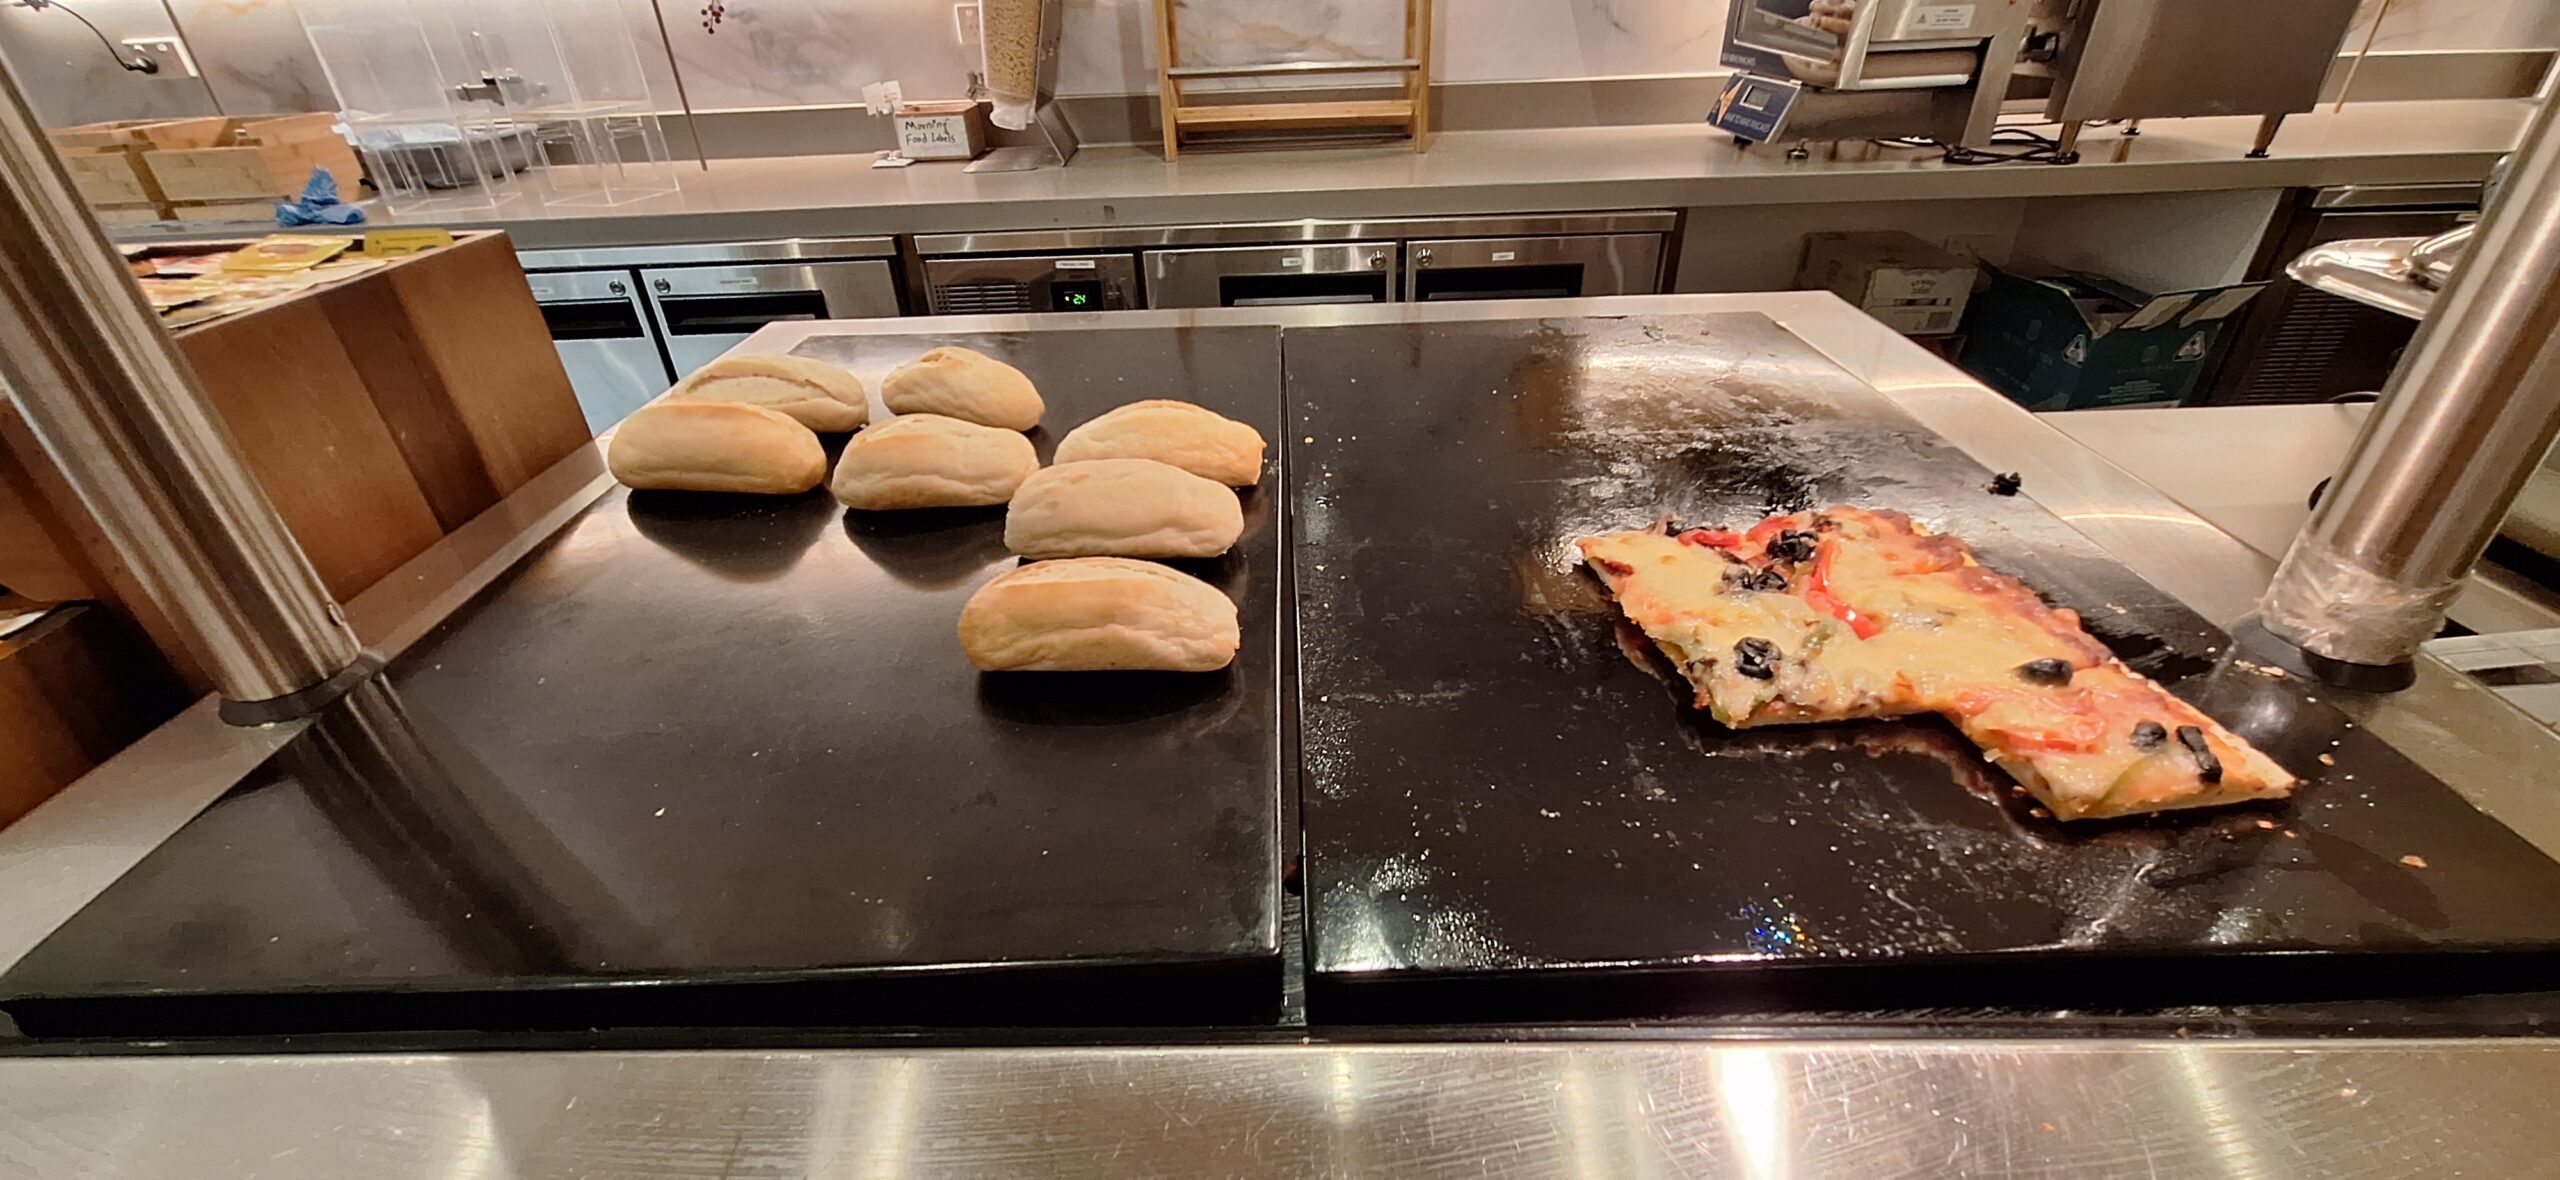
<point x="964" y="24"/>
<point x="170" y="52"/>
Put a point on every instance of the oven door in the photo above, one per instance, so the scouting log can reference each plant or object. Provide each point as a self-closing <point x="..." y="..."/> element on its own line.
<point x="703" y="311"/>
<point x="602" y="331"/>
<point x="1533" y="268"/>
<point x="1272" y="276"/>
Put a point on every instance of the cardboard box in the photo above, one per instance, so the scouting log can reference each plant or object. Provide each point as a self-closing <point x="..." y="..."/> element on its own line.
<point x="1907" y="284"/>
<point x="2053" y="340"/>
<point x="257" y="159"/>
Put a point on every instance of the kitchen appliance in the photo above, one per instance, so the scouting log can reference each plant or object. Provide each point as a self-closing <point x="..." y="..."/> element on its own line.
<point x="1940" y="71"/>
<point x="705" y="297"/>
<point x="703" y="311"/>
<point x="602" y="330"/>
<point x="1898" y="68"/>
<point x="2164" y="59"/>
<point x="1031" y="283"/>
<point x="1532" y="268"/>
<point x="2300" y="344"/>
<point x="1282" y="262"/>
<point x="1271" y="276"/>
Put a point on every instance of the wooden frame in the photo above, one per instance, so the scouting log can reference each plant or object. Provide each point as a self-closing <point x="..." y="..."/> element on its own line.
<point x="1411" y="112"/>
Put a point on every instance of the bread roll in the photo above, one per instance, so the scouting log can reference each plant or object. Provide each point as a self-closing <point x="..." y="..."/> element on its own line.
<point x="1121" y="508"/>
<point x="1194" y="439"/>
<point x="820" y="396"/>
<point x="715" y="447"/>
<point x="963" y="384"/>
<point x="1092" y="614"/>
<point x="929" y="461"/>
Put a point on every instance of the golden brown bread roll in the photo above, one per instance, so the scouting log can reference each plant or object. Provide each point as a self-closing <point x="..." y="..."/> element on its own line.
<point x="1091" y="614"/>
<point x="1190" y="437"/>
<point x="965" y="384"/>
<point x="715" y="447"/>
<point x="1121" y="508"/>
<point x="930" y="461"/>
<point x="818" y="395"/>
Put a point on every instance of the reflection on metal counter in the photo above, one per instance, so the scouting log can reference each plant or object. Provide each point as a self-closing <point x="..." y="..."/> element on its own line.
<point x="1889" y="69"/>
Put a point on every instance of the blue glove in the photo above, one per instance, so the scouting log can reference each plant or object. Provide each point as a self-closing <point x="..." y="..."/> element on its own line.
<point x="319" y="204"/>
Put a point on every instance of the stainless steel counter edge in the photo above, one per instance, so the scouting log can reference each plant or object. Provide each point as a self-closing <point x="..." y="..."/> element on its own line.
<point x="1633" y="1109"/>
<point x="1580" y="1106"/>
<point x="1669" y="166"/>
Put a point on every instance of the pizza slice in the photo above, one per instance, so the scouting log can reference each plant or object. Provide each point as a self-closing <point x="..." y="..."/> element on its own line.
<point x="1851" y="613"/>
<point x="1732" y="629"/>
<point x="2111" y="743"/>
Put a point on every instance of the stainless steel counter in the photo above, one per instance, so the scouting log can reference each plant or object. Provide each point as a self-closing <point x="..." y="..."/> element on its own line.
<point x="1850" y="1109"/>
<point x="1673" y="165"/>
<point x="1584" y="1101"/>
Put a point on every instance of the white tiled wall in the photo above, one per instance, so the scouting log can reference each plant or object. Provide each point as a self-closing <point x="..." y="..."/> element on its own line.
<point x="763" y="53"/>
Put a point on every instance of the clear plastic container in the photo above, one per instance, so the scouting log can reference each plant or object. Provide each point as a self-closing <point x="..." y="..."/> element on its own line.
<point x="472" y="105"/>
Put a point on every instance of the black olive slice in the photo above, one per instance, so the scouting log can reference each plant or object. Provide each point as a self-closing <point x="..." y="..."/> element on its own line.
<point x="2208" y="767"/>
<point x="1756" y="658"/>
<point x="1793" y="545"/>
<point x="2052" y="673"/>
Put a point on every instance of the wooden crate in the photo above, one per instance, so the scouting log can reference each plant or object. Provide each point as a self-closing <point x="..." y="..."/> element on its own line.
<point x="105" y="161"/>
<point x="143" y="133"/>
<point x="256" y="160"/>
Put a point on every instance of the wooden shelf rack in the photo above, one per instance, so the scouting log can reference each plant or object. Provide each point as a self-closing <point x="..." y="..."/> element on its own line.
<point x="1411" y="112"/>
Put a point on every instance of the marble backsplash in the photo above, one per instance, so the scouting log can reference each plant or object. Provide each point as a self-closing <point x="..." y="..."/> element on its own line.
<point x="779" y="53"/>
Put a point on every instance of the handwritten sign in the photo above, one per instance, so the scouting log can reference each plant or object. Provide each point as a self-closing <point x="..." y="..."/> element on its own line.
<point x="935" y="137"/>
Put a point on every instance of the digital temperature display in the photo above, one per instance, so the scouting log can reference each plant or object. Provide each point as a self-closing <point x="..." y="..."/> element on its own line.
<point x="1080" y="295"/>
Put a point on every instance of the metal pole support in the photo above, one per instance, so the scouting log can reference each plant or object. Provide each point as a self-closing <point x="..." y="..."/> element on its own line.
<point x="2463" y="422"/>
<point x="107" y="394"/>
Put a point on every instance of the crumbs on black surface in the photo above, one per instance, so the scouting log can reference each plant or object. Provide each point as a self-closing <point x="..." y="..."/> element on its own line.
<point x="2007" y="483"/>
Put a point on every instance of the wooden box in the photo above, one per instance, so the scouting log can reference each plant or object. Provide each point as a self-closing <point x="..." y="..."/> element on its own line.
<point x="75" y="687"/>
<point x="108" y="169"/>
<point x="254" y="160"/>
<point x="378" y="413"/>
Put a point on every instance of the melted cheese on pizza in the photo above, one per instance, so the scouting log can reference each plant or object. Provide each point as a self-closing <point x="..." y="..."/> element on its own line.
<point x="1852" y="613"/>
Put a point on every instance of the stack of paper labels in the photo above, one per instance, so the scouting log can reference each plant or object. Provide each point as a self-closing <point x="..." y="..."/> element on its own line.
<point x="191" y="289"/>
